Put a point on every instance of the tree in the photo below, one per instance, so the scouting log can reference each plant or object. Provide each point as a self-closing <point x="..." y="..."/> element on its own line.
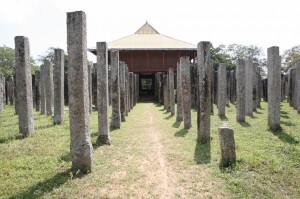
<point x="7" y="61"/>
<point x="238" y="51"/>
<point x="290" y="57"/>
<point x="219" y="55"/>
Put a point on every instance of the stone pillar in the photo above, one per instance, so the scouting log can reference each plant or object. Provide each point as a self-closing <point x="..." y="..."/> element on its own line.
<point x="212" y="91"/>
<point x="298" y="85"/>
<point x="58" y="86"/>
<point x="103" y="99"/>
<point x="204" y="86"/>
<point x="171" y="91"/>
<point x="168" y="94"/>
<point x="42" y="90"/>
<point x="137" y="87"/>
<point x="115" y="80"/>
<point x="131" y="89"/>
<point x="127" y="109"/>
<point x="33" y="91"/>
<point x="160" y="89"/>
<point x="48" y="78"/>
<point x="37" y="88"/>
<point x="165" y="88"/>
<point x="94" y="87"/>
<point x="249" y="87"/>
<point x="90" y="87"/>
<point x="134" y="89"/>
<point x="1" y="92"/>
<point x="240" y="91"/>
<point x="274" y="82"/>
<point x="186" y="91"/>
<point x="179" y="116"/>
<point x="228" y="155"/>
<point x="222" y="96"/>
<point x="258" y="93"/>
<point x="232" y="87"/>
<point x="109" y="85"/>
<point x="122" y="90"/>
<point x="11" y="90"/>
<point x="80" y="147"/>
<point x="24" y="86"/>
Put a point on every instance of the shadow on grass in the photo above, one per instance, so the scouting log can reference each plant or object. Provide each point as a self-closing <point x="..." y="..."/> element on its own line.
<point x="257" y="112"/>
<point x="202" y="154"/>
<point x="161" y="109"/>
<point x="181" y="133"/>
<point x="113" y="128"/>
<point x="176" y="124"/>
<point x="170" y="116"/>
<point x="284" y="137"/>
<point x="287" y="123"/>
<point x="244" y="124"/>
<point x="46" y="186"/>
<point x="44" y="126"/>
<point x="252" y="116"/>
<point x="223" y="118"/>
<point x="285" y="116"/>
<point x="283" y="113"/>
<point x="4" y="140"/>
<point x="166" y="112"/>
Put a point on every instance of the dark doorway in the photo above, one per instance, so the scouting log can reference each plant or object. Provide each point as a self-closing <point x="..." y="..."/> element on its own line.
<point x="146" y="85"/>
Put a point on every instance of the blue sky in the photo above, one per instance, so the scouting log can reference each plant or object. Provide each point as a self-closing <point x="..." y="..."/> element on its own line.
<point x="250" y="22"/>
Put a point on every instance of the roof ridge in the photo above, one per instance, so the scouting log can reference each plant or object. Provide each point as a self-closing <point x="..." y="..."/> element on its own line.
<point x="146" y="29"/>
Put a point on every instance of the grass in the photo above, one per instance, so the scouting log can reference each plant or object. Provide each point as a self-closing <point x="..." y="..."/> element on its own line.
<point x="146" y="160"/>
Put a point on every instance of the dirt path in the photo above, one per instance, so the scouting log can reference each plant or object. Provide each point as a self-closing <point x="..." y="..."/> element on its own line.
<point x="159" y="174"/>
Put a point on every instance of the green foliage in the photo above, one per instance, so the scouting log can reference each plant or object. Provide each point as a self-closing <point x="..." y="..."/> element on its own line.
<point x="7" y="61"/>
<point x="219" y="55"/>
<point x="290" y="57"/>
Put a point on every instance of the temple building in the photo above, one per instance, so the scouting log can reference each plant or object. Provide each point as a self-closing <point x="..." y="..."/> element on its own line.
<point x="147" y="52"/>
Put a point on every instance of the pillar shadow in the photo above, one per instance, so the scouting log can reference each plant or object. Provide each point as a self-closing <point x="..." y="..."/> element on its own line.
<point x="181" y="133"/>
<point x="161" y="109"/>
<point x="223" y="118"/>
<point x="46" y="186"/>
<point x="252" y="116"/>
<point x="176" y="124"/>
<point x="283" y="113"/>
<point x="4" y="140"/>
<point x="202" y="154"/>
<point x="170" y="116"/>
<point x="244" y="124"/>
<point x="44" y="126"/>
<point x="284" y="137"/>
<point x="287" y="123"/>
<point x="257" y="112"/>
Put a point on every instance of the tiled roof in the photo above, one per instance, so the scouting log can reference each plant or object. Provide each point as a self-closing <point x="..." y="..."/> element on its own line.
<point x="147" y="38"/>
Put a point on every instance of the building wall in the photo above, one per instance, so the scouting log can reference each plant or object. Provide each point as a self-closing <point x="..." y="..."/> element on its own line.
<point x="150" y="61"/>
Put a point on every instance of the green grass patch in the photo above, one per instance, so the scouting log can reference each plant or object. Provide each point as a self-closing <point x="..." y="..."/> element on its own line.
<point x="267" y="166"/>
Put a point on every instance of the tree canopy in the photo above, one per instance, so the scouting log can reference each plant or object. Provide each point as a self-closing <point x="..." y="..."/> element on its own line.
<point x="7" y="61"/>
<point x="290" y="57"/>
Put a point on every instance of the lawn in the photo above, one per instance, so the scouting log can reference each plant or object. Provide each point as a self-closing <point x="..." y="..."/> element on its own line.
<point x="152" y="156"/>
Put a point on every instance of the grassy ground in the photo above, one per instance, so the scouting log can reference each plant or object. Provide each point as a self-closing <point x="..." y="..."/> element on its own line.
<point x="152" y="156"/>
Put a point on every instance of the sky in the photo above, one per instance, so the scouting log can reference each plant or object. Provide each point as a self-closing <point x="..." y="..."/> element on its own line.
<point x="264" y="23"/>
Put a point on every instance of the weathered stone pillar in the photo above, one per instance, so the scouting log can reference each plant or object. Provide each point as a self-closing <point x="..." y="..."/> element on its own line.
<point x="80" y="147"/>
<point x="249" y="87"/>
<point x="24" y="86"/>
<point x="232" y="87"/>
<point x="95" y="87"/>
<point x="103" y="99"/>
<point x="11" y="90"/>
<point x="204" y="81"/>
<point x="33" y="91"/>
<point x="274" y="81"/>
<point x="109" y="85"/>
<point x="1" y="92"/>
<point x="134" y="89"/>
<point x="240" y="91"/>
<point x="90" y="87"/>
<point x="131" y="89"/>
<point x="222" y="96"/>
<point x="137" y="87"/>
<point x="37" y="88"/>
<point x="160" y="89"/>
<point x="186" y="91"/>
<point x="228" y="155"/>
<point x="42" y="90"/>
<point x="58" y="86"/>
<point x="171" y="91"/>
<point x="127" y="109"/>
<point x="122" y="90"/>
<point x="298" y="85"/>
<point x="259" y="85"/>
<point x="165" y="92"/>
<point x="116" y="115"/>
<point x="48" y="78"/>
<point x="179" y="116"/>
<point x="212" y="91"/>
